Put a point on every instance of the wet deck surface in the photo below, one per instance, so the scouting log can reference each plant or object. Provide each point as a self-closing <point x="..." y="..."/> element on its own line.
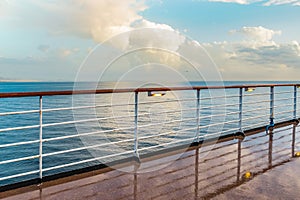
<point x="209" y="172"/>
<point x="282" y="182"/>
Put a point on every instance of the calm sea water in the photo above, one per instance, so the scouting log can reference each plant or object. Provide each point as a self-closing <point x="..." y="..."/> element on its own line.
<point x="162" y="120"/>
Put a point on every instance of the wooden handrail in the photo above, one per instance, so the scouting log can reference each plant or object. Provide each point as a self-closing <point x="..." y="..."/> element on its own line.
<point x="127" y="90"/>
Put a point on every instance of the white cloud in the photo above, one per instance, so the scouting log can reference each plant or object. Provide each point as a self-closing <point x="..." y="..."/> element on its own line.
<point x="85" y="18"/>
<point x="98" y="20"/>
<point x="236" y="1"/>
<point x="296" y="46"/>
<point x="282" y="2"/>
<point x="159" y="38"/>
<point x="258" y="36"/>
<point x="64" y="52"/>
<point x="263" y="2"/>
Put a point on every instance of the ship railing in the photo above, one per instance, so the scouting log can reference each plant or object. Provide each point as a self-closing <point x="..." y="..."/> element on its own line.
<point x="285" y="106"/>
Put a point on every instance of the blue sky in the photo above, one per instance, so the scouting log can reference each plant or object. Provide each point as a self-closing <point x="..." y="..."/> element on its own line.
<point x="247" y="39"/>
<point x="211" y="21"/>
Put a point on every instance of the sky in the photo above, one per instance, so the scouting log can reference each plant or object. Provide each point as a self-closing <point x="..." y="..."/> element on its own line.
<point x="246" y="40"/>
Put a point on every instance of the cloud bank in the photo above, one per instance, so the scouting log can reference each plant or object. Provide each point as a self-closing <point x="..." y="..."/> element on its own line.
<point x="99" y="20"/>
<point x="96" y="20"/>
<point x="257" y="57"/>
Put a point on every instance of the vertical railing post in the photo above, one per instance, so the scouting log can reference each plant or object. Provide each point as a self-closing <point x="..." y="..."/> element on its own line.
<point x="241" y="131"/>
<point x="239" y="160"/>
<point x="294" y="138"/>
<point x="271" y="126"/>
<point x="196" y="172"/>
<point x="198" y="115"/>
<point x="295" y="102"/>
<point x="135" y="184"/>
<point x="41" y="139"/>
<point x="296" y="121"/>
<point x="271" y="103"/>
<point x="136" y="125"/>
<point x="240" y="109"/>
<point x="240" y="135"/>
<point x="270" y="149"/>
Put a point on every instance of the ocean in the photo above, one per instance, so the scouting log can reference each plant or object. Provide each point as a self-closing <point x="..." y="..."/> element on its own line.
<point x="162" y="121"/>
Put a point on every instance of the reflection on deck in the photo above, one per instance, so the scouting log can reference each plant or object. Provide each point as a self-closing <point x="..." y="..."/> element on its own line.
<point x="201" y="173"/>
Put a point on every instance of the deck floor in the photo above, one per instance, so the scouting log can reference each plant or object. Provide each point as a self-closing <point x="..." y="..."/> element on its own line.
<point x="210" y="172"/>
<point x="282" y="182"/>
